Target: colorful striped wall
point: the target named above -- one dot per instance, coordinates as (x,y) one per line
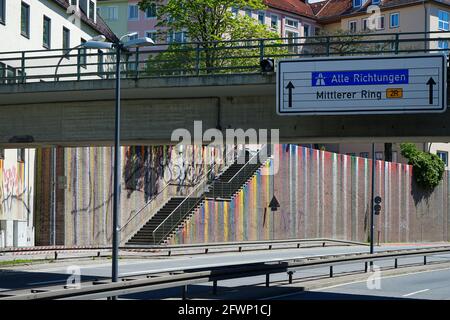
(321,194)
(324,194)
(85,185)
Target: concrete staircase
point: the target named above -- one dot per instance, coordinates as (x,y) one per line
(179,209)
(146,236)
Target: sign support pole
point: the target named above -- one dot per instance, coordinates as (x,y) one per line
(372,216)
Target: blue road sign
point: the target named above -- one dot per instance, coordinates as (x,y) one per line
(359,78)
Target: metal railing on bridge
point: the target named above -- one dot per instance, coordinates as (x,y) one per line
(195,59)
(184,276)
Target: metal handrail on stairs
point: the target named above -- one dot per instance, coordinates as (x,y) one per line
(234,183)
(182,213)
(137,213)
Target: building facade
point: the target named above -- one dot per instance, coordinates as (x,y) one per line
(290,19)
(39,25)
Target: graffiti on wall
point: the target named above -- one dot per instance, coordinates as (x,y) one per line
(84,205)
(13,192)
(149,168)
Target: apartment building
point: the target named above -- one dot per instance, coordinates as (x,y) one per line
(116,14)
(35,25)
(290,18)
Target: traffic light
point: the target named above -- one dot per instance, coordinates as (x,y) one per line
(377,206)
(267,65)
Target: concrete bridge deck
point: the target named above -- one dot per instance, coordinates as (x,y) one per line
(81,113)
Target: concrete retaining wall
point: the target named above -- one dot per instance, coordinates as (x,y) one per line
(324,194)
(321,194)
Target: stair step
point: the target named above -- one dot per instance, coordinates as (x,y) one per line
(145,234)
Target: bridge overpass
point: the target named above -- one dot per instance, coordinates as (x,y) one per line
(81,113)
(39,109)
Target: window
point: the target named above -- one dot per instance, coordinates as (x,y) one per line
(151,11)
(394,156)
(444,156)
(135,36)
(2,11)
(91,10)
(2,154)
(443,44)
(352,26)
(292,23)
(380,23)
(2,72)
(306,30)
(133,12)
(110,13)
(66,40)
(10,75)
(357,3)
(21,75)
(379,155)
(352,154)
(151,34)
(292,41)
(274,22)
(262,17)
(364,154)
(21,155)
(7,74)
(365,25)
(46,33)
(25,20)
(176,37)
(100,62)
(394,20)
(248,12)
(82,55)
(74,2)
(443,20)
(234,11)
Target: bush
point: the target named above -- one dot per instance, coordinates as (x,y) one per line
(428,168)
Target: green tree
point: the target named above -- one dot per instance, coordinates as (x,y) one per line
(212,28)
(428,168)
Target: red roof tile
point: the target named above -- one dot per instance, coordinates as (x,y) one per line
(336,8)
(295,6)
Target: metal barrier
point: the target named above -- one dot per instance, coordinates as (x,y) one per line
(194,59)
(182,247)
(185,276)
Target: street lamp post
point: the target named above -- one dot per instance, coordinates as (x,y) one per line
(119,46)
(372,213)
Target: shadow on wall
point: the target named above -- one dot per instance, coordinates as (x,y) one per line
(420,194)
(144,167)
(150,168)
